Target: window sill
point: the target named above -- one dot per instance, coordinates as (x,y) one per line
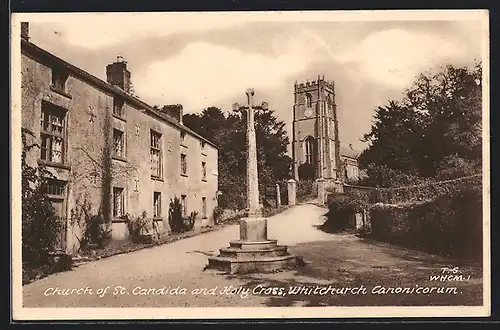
(157,219)
(203,153)
(122,159)
(156,178)
(184,175)
(55,197)
(52,164)
(118,220)
(183,145)
(119,117)
(205,218)
(60,92)
(204,180)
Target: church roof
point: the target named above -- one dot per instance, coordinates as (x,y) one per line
(349,152)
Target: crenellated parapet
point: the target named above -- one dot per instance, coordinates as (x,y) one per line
(312,85)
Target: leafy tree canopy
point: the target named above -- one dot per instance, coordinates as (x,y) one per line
(437,121)
(228,132)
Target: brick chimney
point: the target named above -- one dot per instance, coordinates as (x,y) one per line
(118,75)
(174,111)
(25,30)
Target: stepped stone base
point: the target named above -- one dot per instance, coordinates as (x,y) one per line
(253,252)
(250,257)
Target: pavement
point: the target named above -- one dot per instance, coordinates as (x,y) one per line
(173,275)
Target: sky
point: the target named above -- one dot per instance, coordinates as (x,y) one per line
(201,60)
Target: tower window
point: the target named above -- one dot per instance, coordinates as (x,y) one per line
(308,100)
(309,149)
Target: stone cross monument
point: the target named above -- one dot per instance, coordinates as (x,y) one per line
(253,252)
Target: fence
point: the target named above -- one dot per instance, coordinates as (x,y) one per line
(414,193)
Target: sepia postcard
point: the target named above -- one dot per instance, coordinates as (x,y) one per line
(257,165)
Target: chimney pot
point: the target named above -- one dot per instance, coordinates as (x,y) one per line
(174,111)
(119,59)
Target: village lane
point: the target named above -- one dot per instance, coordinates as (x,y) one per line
(178,264)
(339,260)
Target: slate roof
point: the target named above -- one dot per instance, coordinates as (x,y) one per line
(349,153)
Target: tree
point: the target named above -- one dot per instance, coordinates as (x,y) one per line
(228,132)
(396,138)
(451,101)
(439,117)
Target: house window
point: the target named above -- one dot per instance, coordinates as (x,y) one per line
(204,171)
(202,144)
(118,202)
(183,137)
(55,191)
(118,107)
(204,207)
(184,205)
(155,151)
(118,143)
(156,204)
(308,100)
(52,124)
(55,187)
(59,78)
(183,164)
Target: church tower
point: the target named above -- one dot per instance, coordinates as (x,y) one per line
(315,143)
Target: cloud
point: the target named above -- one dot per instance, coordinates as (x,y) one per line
(394,57)
(203,74)
(106,29)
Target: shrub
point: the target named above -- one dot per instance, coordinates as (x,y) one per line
(305,189)
(178,223)
(189,221)
(217,214)
(384,176)
(136,226)
(450,224)
(95,230)
(40,225)
(175,218)
(341,211)
(454,166)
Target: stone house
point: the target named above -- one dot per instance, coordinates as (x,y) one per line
(105,145)
(350,166)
